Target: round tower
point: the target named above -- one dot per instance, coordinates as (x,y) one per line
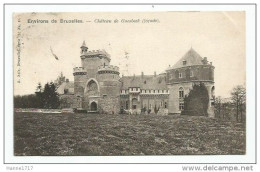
(108,78)
(80,77)
(190,69)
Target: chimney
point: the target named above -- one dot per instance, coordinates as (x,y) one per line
(142,74)
(67,80)
(211,63)
(154,73)
(205,60)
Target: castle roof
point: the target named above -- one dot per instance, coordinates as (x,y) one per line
(83,44)
(191,58)
(66,85)
(157,82)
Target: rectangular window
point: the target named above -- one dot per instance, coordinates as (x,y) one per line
(181,94)
(191,73)
(181,106)
(180,75)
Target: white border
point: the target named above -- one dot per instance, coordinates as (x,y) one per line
(250,75)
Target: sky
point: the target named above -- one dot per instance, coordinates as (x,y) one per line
(219,36)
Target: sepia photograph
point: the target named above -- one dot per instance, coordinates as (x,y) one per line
(129,83)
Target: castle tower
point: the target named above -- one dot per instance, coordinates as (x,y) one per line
(96,82)
(80,78)
(190,69)
(108,77)
(91,60)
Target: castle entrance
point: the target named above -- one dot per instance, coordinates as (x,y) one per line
(134,103)
(93,106)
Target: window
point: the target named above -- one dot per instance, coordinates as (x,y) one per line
(165,104)
(191,73)
(126,104)
(181,106)
(180,75)
(161,104)
(66,91)
(181,92)
(184,62)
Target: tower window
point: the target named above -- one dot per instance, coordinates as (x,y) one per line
(181,106)
(191,73)
(180,75)
(165,104)
(181,92)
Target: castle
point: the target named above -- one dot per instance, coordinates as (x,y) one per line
(97,86)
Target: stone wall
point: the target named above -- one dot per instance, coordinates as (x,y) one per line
(109,105)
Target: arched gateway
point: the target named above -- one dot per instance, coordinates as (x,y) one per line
(93,106)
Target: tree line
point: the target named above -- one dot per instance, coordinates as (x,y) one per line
(46,98)
(233,108)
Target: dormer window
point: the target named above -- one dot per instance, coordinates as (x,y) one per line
(180,75)
(184,62)
(66,91)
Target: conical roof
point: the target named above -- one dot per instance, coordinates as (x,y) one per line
(191,58)
(83,44)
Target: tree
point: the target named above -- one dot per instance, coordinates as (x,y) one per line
(50,97)
(196,103)
(238,97)
(218,107)
(60,79)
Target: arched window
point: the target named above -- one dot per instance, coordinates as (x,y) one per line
(181,92)
(213,92)
(126,104)
(92,88)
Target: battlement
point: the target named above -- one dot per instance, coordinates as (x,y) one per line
(108,68)
(93,53)
(79,71)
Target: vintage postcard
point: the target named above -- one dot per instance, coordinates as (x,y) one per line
(129,83)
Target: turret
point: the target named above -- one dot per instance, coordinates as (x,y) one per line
(80,78)
(83,48)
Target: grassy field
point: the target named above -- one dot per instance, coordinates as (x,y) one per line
(94,134)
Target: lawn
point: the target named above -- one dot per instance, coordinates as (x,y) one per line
(98,134)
